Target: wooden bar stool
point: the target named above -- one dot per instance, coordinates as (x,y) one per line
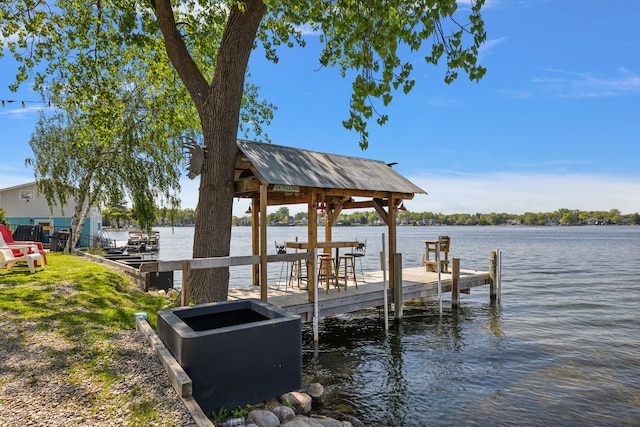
(296,273)
(327,272)
(347,264)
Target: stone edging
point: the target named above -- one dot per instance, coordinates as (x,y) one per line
(179,378)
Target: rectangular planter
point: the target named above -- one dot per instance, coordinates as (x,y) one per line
(235,352)
(153,280)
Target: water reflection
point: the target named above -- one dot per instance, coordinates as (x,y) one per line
(494,313)
(395,384)
(382,378)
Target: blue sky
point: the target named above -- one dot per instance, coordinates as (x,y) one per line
(555,123)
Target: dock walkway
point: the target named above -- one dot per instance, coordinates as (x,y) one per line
(416,283)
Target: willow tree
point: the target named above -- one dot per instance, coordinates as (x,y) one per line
(209,45)
(141,161)
(111,131)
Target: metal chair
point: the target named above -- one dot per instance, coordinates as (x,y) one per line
(358,252)
(291,270)
(281,249)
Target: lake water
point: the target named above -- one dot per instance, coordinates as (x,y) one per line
(561,349)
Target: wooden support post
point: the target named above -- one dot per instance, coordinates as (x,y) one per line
(397,289)
(263,242)
(493,276)
(255,240)
(391,225)
(455,282)
(328,229)
(312,239)
(186,283)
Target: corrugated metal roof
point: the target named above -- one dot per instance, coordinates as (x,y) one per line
(292,166)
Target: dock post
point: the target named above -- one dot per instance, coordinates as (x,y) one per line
(186,283)
(493,276)
(397,289)
(385,289)
(316,308)
(255,240)
(263,243)
(499,274)
(455,282)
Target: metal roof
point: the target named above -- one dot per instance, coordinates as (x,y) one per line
(282,165)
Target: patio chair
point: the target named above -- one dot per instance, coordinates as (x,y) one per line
(358,252)
(444,241)
(8,259)
(6,239)
(281,249)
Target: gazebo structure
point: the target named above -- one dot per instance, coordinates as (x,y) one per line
(273,175)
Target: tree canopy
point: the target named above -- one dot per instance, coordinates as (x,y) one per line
(81,53)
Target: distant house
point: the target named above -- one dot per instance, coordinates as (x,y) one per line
(24,206)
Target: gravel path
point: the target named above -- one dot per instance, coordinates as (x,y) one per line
(46,380)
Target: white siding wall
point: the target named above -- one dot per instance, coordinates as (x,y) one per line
(15,206)
(18,207)
(14,203)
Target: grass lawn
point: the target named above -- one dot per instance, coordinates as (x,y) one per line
(68,318)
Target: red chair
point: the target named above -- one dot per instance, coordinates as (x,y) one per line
(7,240)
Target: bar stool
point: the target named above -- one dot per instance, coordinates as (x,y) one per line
(320,256)
(327,271)
(348,265)
(296,273)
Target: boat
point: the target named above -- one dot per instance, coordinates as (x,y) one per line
(106,243)
(140,241)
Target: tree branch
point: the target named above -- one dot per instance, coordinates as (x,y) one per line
(177,51)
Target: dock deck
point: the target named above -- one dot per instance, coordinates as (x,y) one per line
(416,283)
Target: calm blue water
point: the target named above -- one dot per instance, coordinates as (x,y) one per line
(561,349)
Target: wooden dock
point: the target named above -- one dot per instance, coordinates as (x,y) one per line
(416,283)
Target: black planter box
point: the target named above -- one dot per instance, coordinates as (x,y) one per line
(236,352)
(153,280)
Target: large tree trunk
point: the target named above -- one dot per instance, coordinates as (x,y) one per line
(219,110)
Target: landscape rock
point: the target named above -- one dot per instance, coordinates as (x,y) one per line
(301,401)
(301,421)
(328,422)
(316,391)
(283,413)
(263,418)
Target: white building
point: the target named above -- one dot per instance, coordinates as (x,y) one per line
(24,206)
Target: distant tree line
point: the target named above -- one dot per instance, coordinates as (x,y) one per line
(119,216)
(559,217)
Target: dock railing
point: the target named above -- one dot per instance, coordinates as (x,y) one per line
(214,262)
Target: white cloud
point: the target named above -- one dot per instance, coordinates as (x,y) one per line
(15,111)
(16,174)
(488,46)
(519,193)
(589,85)
(468,3)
